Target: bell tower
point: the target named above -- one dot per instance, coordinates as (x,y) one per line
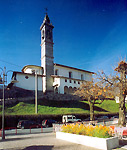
(47,59)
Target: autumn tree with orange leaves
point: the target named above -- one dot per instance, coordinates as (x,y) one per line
(118,84)
(92,91)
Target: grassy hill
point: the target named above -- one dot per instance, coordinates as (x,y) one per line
(60,107)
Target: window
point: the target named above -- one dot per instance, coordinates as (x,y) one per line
(74,117)
(33,71)
(26,77)
(43,34)
(70,90)
(78,82)
(56,90)
(14,76)
(56,72)
(66,90)
(70,74)
(70,81)
(74,89)
(69,117)
(82,77)
(65,80)
(74,82)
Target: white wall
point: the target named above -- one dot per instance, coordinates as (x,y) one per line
(57,82)
(28,84)
(76,74)
(68,84)
(61,84)
(29,70)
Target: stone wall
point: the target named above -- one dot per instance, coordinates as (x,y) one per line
(61,97)
(48,96)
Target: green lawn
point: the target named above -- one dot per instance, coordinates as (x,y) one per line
(110,106)
(61,107)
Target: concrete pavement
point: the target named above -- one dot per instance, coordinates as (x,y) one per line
(41,141)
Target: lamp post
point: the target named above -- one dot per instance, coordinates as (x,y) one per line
(3,102)
(36,89)
(2,81)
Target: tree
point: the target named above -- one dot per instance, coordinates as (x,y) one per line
(118,84)
(94,92)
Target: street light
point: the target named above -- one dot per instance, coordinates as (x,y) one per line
(2,81)
(36,89)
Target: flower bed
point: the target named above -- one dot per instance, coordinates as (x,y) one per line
(89,130)
(86,136)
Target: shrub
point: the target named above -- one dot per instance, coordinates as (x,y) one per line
(89,130)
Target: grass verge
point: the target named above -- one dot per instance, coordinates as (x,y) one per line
(60,107)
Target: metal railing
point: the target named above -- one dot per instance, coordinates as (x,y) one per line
(16,130)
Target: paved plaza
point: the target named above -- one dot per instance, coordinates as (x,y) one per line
(43,141)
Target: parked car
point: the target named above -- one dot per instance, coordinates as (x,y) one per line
(24,124)
(88,119)
(103,118)
(114,117)
(70,119)
(48,122)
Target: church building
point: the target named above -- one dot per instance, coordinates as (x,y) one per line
(50,76)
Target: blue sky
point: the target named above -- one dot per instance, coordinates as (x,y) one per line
(88,34)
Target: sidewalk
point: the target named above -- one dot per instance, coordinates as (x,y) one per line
(44,141)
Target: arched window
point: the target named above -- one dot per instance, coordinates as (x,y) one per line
(66,90)
(74,89)
(70,90)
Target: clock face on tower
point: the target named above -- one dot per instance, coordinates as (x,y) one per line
(49,34)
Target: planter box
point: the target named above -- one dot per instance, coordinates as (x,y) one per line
(99,143)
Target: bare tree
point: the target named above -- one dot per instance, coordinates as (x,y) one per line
(118,85)
(94,92)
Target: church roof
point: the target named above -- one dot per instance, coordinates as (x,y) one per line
(17,72)
(73,68)
(31,66)
(46,21)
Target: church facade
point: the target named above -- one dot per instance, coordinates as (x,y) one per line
(50,76)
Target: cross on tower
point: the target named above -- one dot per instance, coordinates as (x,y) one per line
(46,9)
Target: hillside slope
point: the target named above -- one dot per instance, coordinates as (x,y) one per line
(60,107)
